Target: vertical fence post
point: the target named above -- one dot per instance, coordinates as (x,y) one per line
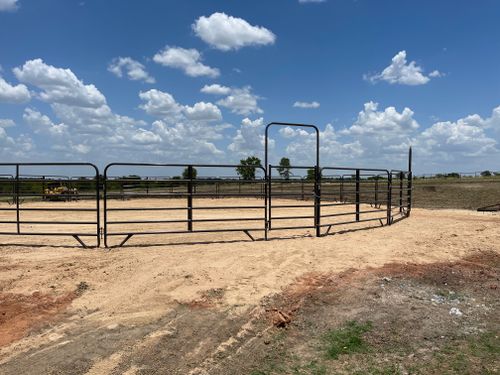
(266,219)
(190,199)
(357,193)
(376,191)
(105,205)
(17,200)
(409,190)
(389,198)
(98,197)
(342,188)
(317,200)
(43,188)
(401,179)
(270,195)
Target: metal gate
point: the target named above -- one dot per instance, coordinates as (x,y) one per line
(184,201)
(23,197)
(292,211)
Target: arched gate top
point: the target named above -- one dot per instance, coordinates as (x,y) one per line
(266,151)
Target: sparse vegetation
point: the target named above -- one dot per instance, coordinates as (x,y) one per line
(347,339)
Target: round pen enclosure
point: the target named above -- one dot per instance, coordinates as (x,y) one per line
(135,200)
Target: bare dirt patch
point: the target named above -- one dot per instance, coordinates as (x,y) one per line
(20,313)
(419,319)
(206,303)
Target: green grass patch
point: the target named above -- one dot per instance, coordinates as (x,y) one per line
(347,339)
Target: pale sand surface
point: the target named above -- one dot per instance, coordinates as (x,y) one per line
(137,284)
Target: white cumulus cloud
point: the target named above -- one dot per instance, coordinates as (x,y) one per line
(188,60)
(163,105)
(203,111)
(13,94)
(465,137)
(225,32)
(59,85)
(306,105)
(42,124)
(249,138)
(159,103)
(7,123)
(302,145)
(403,73)
(215,89)
(134,69)
(371,121)
(241,101)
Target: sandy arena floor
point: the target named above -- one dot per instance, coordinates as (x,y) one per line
(60,293)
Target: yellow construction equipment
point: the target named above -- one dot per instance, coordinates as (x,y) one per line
(60,192)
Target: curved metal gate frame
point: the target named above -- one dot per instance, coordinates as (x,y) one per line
(317,176)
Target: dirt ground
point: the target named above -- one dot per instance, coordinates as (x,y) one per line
(214,303)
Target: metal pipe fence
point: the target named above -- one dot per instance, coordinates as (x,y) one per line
(186,202)
(23,192)
(363,191)
(332,196)
(196,215)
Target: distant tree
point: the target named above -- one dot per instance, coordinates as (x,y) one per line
(246,169)
(185,173)
(133,177)
(284,168)
(454,175)
(311,174)
(485,174)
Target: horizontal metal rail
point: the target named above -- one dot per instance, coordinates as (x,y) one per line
(189,188)
(368,191)
(26,186)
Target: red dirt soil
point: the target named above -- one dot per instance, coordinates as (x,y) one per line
(21,313)
(479,269)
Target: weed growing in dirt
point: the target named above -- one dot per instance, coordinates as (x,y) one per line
(347,339)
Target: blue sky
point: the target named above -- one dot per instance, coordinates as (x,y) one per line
(105,81)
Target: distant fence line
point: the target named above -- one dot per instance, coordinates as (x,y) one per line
(458,174)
